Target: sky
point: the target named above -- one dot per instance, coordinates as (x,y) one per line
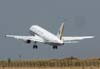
(81,17)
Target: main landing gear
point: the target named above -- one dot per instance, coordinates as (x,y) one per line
(55,47)
(35,46)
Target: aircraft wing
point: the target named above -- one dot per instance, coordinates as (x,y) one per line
(25,38)
(75,39)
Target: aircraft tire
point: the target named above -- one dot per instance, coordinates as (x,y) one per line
(55,47)
(35,46)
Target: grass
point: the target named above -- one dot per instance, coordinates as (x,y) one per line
(66,63)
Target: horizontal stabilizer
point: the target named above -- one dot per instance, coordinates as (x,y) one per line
(76,38)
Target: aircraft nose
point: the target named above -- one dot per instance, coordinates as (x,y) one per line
(31,28)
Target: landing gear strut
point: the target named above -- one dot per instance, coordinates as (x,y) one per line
(35,46)
(55,47)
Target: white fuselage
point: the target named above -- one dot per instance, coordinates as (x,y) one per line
(39,34)
(47,36)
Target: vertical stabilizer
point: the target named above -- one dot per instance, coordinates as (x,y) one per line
(61,31)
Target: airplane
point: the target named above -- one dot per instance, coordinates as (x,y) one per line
(41,35)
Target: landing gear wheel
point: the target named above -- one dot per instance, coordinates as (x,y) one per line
(55,47)
(35,46)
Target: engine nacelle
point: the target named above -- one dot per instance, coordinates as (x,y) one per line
(28,41)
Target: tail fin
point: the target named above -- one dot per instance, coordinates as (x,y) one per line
(61,31)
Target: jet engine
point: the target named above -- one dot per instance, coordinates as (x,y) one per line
(28,41)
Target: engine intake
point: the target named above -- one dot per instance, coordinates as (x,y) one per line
(28,41)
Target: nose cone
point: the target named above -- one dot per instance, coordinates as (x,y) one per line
(33,27)
(30,28)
